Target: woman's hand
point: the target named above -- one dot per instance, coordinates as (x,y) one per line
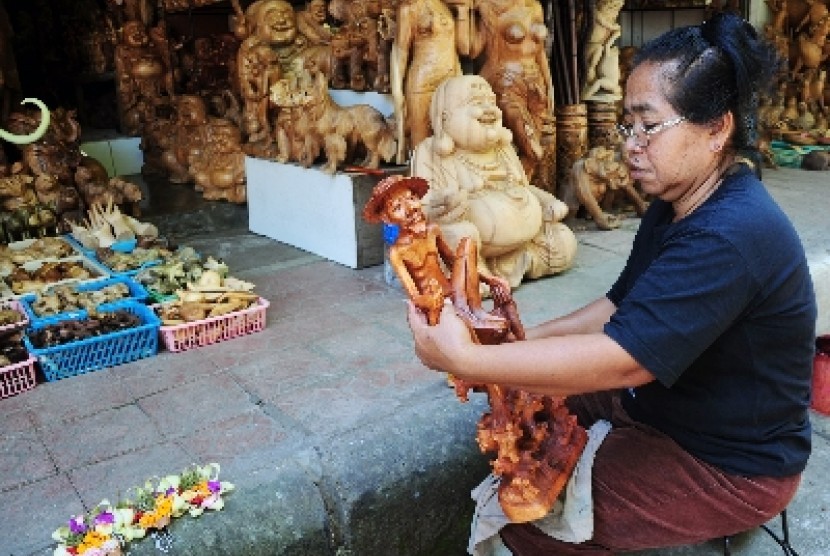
(441,347)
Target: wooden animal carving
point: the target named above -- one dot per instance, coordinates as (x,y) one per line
(342,131)
(594,182)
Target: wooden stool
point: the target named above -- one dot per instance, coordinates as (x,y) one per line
(783,541)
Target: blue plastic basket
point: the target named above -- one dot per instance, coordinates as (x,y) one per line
(70,239)
(137,293)
(99,352)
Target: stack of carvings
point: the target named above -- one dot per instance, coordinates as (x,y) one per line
(179,96)
(798,110)
(53,181)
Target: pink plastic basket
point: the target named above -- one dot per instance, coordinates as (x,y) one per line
(17,378)
(181,337)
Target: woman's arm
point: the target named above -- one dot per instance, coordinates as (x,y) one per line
(557,366)
(588,320)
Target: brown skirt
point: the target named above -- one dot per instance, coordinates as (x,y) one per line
(650,493)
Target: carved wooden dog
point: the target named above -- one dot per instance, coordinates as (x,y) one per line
(342,131)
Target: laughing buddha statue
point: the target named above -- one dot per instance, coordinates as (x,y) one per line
(478,187)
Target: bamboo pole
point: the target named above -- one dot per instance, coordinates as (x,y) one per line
(574,59)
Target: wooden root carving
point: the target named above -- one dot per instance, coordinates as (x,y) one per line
(37,133)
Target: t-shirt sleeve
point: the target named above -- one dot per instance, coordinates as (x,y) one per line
(686,298)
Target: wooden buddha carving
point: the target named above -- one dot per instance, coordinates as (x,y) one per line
(478,187)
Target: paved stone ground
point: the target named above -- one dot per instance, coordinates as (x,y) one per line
(339,442)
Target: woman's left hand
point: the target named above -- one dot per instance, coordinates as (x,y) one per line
(439,347)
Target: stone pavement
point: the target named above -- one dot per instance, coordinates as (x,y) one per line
(338,440)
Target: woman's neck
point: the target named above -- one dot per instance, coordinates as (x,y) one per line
(697,194)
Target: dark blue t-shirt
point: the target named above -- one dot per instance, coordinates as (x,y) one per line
(720,308)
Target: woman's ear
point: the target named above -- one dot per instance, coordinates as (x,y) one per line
(721,130)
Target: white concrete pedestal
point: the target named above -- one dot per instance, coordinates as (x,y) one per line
(314,211)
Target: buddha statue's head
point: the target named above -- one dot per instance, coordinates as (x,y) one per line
(465,116)
(274,21)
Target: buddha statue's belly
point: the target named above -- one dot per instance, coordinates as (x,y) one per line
(506,220)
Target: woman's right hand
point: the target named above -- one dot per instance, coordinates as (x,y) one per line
(439,347)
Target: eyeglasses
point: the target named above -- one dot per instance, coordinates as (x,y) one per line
(642,136)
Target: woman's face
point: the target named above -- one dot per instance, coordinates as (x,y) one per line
(675,158)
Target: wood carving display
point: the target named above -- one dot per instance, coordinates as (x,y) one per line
(271,47)
(54,176)
(478,188)
(536,441)
(341,132)
(797,111)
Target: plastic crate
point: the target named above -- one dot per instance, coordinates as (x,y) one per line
(18,377)
(14,305)
(157,297)
(137,293)
(133,271)
(99,352)
(96,272)
(182,337)
(79,246)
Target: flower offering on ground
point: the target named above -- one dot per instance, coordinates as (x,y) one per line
(107,528)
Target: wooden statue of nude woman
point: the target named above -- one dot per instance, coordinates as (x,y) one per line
(510,36)
(425,52)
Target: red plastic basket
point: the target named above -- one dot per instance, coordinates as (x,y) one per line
(17,378)
(181,337)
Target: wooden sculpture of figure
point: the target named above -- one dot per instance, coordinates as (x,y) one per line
(387,26)
(358,39)
(417,256)
(185,135)
(809,46)
(311,22)
(424,53)
(536,440)
(594,184)
(777,25)
(510,38)
(271,35)
(602,55)
(478,188)
(813,12)
(814,87)
(218,167)
(139,76)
